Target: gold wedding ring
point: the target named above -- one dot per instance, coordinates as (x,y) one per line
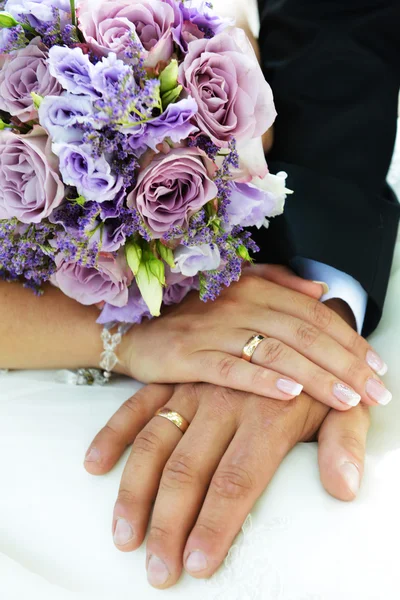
(174,417)
(252,346)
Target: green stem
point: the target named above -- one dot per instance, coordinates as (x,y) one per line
(73,12)
(29,28)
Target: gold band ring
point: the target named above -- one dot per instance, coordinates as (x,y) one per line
(252,346)
(174,417)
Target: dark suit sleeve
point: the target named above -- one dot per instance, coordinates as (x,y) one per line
(334,67)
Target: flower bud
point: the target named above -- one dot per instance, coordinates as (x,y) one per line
(7,21)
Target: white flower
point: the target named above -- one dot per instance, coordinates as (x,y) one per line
(275,185)
(190,261)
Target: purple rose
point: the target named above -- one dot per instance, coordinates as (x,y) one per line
(192,260)
(23,72)
(59,115)
(249,205)
(73,70)
(133,312)
(223,76)
(178,287)
(112,25)
(37,11)
(92,176)
(30,184)
(107,282)
(174,123)
(172,189)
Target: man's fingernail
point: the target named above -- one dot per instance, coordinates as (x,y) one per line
(378,392)
(351,475)
(196,562)
(376,363)
(123,533)
(346,394)
(92,455)
(157,572)
(287,386)
(324,285)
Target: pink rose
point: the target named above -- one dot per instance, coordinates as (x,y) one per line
(30,186)
(23,72)
(109,26)
(172,189)
(107,282)
(223,76)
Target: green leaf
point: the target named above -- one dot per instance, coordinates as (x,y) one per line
(150,279)
(171,96)
(37,100)
(133,256)
(169,77)
(166,254)
(7,21)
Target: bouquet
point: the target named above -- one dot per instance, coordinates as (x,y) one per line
(124,144)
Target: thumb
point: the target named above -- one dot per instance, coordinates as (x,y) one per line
(342,441)
(286,278)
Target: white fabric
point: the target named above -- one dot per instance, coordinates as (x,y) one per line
(300,544)
(341,285)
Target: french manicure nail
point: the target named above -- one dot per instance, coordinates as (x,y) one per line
(346,394)
(352,476)
(92,455)
(157,572)
(376,363)
(123,532)
(378,392)
(325,286)
(287,386)
(196,562)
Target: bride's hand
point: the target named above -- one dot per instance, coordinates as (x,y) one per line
(306,345)
(205,482)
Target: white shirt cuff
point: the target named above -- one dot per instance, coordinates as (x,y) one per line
(341,285)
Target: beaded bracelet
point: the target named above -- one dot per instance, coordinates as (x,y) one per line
(108,359)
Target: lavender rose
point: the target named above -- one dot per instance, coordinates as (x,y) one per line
(108,282)
(24,72)
(30,184)
(192,260)
(113,25)
(172,188)
(133,312)
(223,76)
(92,176)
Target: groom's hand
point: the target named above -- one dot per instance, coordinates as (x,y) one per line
(205,482)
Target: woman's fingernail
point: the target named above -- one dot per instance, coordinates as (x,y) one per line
(378,392)
(157,572)
(123,533)
(92,455)
(376,363)
(351,475)
(287,386)
(196,562)
(346,394)
(324,285)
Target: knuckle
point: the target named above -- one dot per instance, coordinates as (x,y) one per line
(158,533)
(226,367)
(352,442)
(357,345)
(232,483)
(307,335)
(272,351)
(178,472)
(126,496)
(209,528)
(321,315)
(357,371)
(147,442)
